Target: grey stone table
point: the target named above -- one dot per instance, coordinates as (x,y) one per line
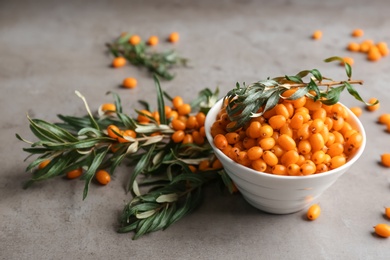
(49,49)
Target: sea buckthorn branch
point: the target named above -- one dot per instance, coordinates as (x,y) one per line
(142,55)
(248,101)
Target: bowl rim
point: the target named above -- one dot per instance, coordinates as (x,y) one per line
(352,117)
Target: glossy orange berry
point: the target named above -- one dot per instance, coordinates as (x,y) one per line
(255,153)
(296,121)
(217,164)
(201,118)
(198,138)
(232,138)
(384,119)
(374,54)
(319,114)
(318,157)
(103,177)
(348,60)
(317,142)
(108,107)
(316,126)
(383,49)
(317,35)
(289,157)
(312,105)
(253,131)
(303,132)
(313,212)
(293,169)
(43,164)
(308,168)
(248,142)
(322,167)
(281,109)
(304,147)
(184,109)
(134,39)
(192,123)
(353,46)
(337,161)
(129,82)
(270,158)
(177,102)
(243,158)
(357,111)
(113,131)
(118,62)
(188,139)
(287,142)
(178,124)
(178,136)
(127,133)
(266,131)
(387,212)
(382,230)
(174,37)
(335,149)
(267,143)
(143,117)
(385,159)
(204,165)
(74,174)
(365,46)
(279,169)
(277,121)
(153,40)
(357,32)
(259,165)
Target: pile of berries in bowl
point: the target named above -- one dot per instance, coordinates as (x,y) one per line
(284,158)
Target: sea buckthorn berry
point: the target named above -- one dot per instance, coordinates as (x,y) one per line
(202,131)
(270,158)
(134,39)
(43,164)
(301,160)
(357,111)
(269,113)
(216,129)
(259,165)
(299,102)
(143,116)
(279,169)
(255,152)
(304,147)
(322,167)
(172,115)
(286,130)
(319,114)
(331,139)
(290,108)
(232,138)
(293,169)
(307,168)
(267,143)
(357,32)
(317,35)
(303,132)
(177,102)
(240,146)
(113,131)
(385,159)
(201,118)
(266,131)
(174,37)
(316,126)
(348,60)
(317,142)
(178,136)
(118,62)
(354,142)
(108,107)
(313,105)
(384,119)
(286,142)
(178,124)
(192,168)
(337,161)
(387,212)
(243,158)
(339,138)
(373,107)
(328,122)
(296,121)
(188,139)
(248,142)
(103,177)
(277,150)
(280,109)
(204,165)
(383,49)
(277,121)
(353,46)
(335,149)
(373,54)
(233,153)
(318,157)
(217,164)
(127,133)
(338,123)
(289,157)
(198,138)
(382,230)
(313,212)
(153,40)
(184,109)
(74,174)
(192,123)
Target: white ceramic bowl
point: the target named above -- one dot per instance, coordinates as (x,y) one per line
(280,194)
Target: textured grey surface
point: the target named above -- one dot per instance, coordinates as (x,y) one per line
(50,49)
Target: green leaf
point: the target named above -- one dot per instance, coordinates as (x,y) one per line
(141,165)
(160,101)
(295,79)
(356,95)
(316,74)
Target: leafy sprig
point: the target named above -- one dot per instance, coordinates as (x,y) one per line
(141,55)
(244,102)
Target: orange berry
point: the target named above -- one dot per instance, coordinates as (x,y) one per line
(383,49)
(384,119)
(353,46)
(118,62)
(220,141)
(177,102)
(113,131)
(387,212)
(142,118)
(357,111)
(178,136)
(153,40)
(204,165)
(259,165)
(74,174)
(373,107)
(129,83)
(174,37)
(184,109)
(43,164)
(313,212)
(348,60)
(188,139)
(382,230)
(365,46)
(178,124)
(374,54)
(128,133)
(385,159)
(134,39)
(317,35)
(108,107)
(270,158)
(103,177)
(357,33)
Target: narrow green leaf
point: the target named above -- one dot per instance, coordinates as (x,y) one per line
(356,95)
(316,74)
(141,165)
(160,100)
